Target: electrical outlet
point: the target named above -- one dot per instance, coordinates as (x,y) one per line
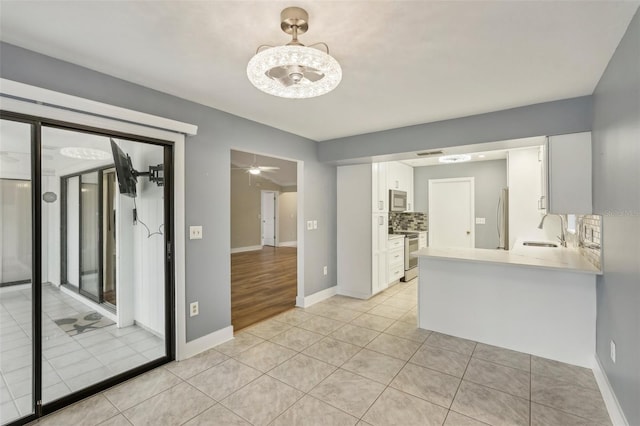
(613,351)
(309,225)
(315,224)
(193,309)
(195,232)
(324,270)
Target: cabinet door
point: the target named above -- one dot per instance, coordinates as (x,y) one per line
(409,178)
(379,191)
(570,174)
(543,159)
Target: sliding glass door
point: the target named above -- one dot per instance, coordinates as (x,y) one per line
(87,291)
(16,272)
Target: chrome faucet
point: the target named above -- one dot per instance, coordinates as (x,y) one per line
(563,241)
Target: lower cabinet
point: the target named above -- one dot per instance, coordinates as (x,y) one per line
(395,259)
(422,239)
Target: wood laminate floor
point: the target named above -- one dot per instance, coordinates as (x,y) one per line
(263,284)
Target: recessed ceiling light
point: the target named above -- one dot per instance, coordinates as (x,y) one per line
(457,158)
(82,153)
(481,156)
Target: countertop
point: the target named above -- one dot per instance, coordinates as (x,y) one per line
(394,236)
(542,257)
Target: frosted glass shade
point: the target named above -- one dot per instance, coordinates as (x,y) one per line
(303,57)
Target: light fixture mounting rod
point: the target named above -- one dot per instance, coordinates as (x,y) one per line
(294,20)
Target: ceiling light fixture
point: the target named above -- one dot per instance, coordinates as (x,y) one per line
(457,158)
(294,71)
(254,170)
(85,153)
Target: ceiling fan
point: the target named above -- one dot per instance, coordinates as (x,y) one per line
(255,169)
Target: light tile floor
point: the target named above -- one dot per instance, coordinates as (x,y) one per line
(345,362)
(70,363)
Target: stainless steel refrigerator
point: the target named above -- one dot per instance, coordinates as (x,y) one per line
(502,213)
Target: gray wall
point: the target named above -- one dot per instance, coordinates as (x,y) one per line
(490,177)
(616,194)
(207,176)
(550,118)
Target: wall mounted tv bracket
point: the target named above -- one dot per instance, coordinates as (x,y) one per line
(155,174)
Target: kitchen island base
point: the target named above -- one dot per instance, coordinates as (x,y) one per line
(548,313)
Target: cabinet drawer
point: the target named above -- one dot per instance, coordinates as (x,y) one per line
(395,256)
(396,273)
(395,243)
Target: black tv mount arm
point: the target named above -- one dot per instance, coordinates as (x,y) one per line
(155,174)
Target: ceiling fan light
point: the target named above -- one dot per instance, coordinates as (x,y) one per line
(296,56)
(457,158)
(294,71)
(254,171)
(83,153)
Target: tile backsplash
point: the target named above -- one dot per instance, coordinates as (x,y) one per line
(408,221)
(590,234)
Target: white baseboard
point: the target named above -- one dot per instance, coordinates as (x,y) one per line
(288,244)
(305,302)
(354,294)
(613,406)
(248,248)
(207,342)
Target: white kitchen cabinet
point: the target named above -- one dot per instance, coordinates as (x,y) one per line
(379,191)
(395,258)
(400,177)
(422,239)
(543,199)
(362,230)
(569,174)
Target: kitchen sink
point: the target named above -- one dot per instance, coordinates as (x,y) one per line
(539,244)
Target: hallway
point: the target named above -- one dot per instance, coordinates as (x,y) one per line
(263,284)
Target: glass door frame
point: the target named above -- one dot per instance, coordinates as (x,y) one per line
(63,236)
(37,123)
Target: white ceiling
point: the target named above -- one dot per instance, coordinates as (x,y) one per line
(404,62)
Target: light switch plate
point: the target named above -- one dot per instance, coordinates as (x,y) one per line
(481,220)
(309,225)
(195,232)
(315,224)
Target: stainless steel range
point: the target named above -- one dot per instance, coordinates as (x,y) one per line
(411,247)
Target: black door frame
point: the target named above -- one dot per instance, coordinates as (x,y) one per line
(37,123)
(63,235)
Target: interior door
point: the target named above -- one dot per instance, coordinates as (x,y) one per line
(268,218)
(451,212)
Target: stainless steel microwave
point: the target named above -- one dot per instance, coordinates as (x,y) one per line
(397,201)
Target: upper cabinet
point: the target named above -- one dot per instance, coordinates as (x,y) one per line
(379,192)
(569,174)
(400,177)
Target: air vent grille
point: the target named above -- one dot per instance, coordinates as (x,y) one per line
(427,153)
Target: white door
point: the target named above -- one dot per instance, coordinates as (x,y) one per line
(451,212)
(268,215)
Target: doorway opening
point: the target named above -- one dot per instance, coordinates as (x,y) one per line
(269,217)
(264,220)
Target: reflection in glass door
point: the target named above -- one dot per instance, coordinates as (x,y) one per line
(90,271)
(106,314)
(85,272)
(16,272)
